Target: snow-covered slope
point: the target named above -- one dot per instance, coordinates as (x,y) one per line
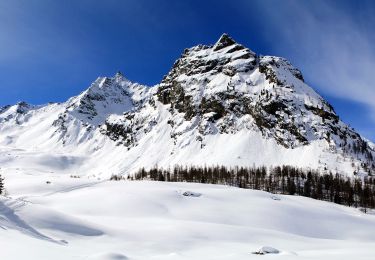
(219,104)
(90,219)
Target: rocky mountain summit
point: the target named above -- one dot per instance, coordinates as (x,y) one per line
(219,104)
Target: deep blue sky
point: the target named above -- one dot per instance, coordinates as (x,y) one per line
(52,50)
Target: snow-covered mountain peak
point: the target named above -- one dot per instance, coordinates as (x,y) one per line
(226,88)
(119,76)
(219,104)
(23,106)
(224,41)
(105,96)
(14,112)
(200,64)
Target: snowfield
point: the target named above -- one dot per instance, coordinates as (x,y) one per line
(89,218)
(220,104)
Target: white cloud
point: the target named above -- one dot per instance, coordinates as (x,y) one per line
(332,44)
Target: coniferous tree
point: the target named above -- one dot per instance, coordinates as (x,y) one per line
(1,185)
(291,186)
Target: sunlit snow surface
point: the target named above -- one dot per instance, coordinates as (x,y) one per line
(91,218)
(57,158)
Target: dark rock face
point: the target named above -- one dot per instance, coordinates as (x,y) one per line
(124,134)
(4,108)
(224,41)
(22,107)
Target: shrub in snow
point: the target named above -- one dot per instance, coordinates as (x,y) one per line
(115,177)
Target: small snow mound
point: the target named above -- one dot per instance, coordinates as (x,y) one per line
(266,250)
(191,194)
(109,256)
(275,197)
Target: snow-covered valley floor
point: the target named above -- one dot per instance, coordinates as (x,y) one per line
(83,218)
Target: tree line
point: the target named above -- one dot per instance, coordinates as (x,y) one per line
(289,180)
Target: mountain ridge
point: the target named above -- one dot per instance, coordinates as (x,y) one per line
(213,94)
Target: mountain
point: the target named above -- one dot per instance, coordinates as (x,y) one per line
(219,105)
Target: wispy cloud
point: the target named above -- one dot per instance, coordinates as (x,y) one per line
(331,41)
